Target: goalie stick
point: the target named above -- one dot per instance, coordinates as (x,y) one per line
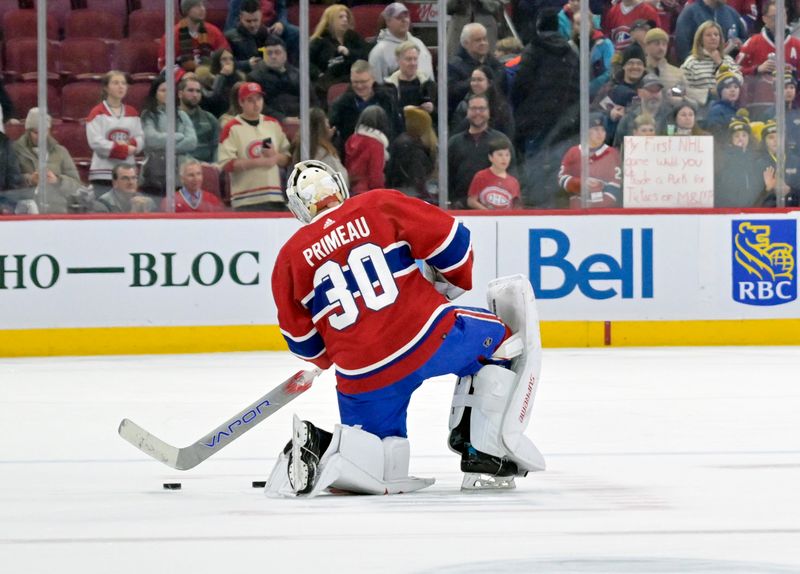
(192,455)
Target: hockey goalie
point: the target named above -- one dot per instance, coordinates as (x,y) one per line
(350,294)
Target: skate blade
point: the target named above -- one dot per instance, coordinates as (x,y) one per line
(476,481)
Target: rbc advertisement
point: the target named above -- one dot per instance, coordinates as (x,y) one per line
(764,261)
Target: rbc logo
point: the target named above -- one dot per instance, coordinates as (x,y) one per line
(596,267)
(764,255)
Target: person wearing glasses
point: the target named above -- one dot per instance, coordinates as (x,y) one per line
(469,150)
(124,196)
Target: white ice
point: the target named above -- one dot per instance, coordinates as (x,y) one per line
(659,460)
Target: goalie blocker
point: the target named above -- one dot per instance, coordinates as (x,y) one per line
(489,415)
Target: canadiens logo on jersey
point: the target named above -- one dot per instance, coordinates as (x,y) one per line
(254,149)
(621,36)
(764,261)
(496,197)
(119,135)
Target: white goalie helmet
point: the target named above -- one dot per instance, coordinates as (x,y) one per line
(313,186)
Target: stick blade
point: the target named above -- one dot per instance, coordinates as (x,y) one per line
(149,444)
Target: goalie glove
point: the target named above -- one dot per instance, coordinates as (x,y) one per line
(442,285)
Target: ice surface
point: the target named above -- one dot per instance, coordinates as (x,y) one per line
(659,460)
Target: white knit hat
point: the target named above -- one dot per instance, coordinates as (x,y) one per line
(32,121)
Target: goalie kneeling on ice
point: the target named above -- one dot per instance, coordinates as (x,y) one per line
(356,461)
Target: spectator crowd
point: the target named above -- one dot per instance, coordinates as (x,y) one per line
(657,68)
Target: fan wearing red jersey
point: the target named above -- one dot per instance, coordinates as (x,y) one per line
(605,174)
(350,294)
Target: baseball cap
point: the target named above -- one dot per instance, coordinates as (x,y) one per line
(394,9)
(643,24)
(249,89)
(651,80)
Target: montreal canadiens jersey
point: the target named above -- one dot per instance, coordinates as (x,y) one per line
(349,291)
(619,19)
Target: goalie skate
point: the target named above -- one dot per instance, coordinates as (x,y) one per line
(480,481)
(307,445)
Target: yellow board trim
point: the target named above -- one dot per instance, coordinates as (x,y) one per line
(139,340)
(233,338)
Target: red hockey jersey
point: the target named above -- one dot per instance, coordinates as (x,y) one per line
(349,292)
(604,170)
(619,19)
(758,48)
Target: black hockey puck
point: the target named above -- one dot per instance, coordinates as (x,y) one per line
(259,483)
(172,486)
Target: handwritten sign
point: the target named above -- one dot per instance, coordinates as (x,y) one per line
(668,171)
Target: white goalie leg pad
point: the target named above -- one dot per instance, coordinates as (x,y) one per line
(359,462)
(512,299)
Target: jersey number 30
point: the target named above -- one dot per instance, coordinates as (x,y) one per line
(376,295)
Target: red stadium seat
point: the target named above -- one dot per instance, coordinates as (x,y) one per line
(146,24)
(78,98)
(314,15)
(72,135)
(291,129)
(25,95)
(118,7)
(211,175)
(217,17)
(23,24)
(137,94)
(14,130)
(58,9)
(84,57)
(158,6)
(336,90)
(367,19)
(138,57)
(21,58)
(93,24)
(8,6)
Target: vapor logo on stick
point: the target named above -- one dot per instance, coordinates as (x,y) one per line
(764,261)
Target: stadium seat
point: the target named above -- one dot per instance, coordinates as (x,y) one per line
(86,23)
(80,58)
(78,98)
(25,95)
(291,129)
(158,6)
(138,57)
(137,94)
(314,14)
(8,6)
(23,24)
(117,7)
(367,19)
(146,24)
(217,17)
(72,135)
(14,130)
(211,175)
(21,59)
(58,9)
(336,90)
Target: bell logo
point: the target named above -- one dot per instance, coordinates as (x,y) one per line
(595,268)
(764,257)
